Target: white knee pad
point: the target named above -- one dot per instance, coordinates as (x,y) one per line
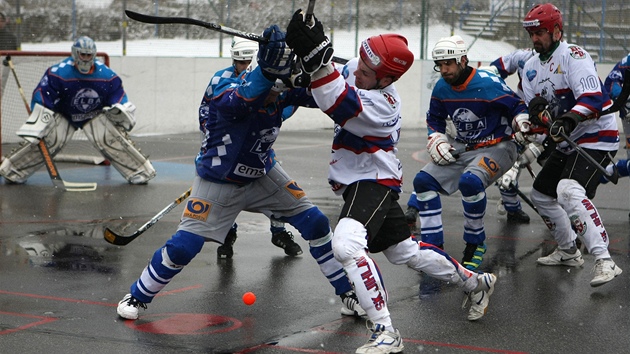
(350,237)
(119,149)
(26,159)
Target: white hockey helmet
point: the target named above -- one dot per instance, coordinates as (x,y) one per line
(243,49)
(452,47)
(84,53)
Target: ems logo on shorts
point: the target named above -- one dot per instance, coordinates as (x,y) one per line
(294,189)
(489,165)
(197,209)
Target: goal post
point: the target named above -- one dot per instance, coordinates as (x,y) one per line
(30,67)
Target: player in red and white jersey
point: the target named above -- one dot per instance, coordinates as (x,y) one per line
(562,79)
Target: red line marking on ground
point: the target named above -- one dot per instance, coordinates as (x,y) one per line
(42,320)
(184,323)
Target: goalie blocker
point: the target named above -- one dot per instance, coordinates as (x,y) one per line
(101,131)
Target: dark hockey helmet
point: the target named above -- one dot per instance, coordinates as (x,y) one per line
(387,55)
(541,16)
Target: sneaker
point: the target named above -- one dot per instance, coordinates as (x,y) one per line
(605,270)
(473,255)
(479,298)
(351,305)
(225,251)
(560,257)
(519,217)
(411,215)
(382,341)
(284,240)
(128,307)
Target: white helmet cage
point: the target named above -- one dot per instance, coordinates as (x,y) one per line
(243,49)
(449,48)
(83,54)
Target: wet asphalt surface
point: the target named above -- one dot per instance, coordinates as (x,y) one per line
(60,281)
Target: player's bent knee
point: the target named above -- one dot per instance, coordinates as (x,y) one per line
(312,224)
(567,188)
(424,182)
(470,184)
(350,239)
(181,249)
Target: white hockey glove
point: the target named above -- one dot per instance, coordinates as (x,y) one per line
(521,125)
(38,125)
(122,115)
(440,149)
(531,153)
(509,177)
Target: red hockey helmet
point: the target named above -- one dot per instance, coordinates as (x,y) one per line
(543,16)
(387,55)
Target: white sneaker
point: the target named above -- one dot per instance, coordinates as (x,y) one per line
(382,341)
(605,271)
(479,299)
(351,305)
(560,257)
(128,307)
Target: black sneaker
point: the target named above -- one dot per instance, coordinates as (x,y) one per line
(411,215)
(519,217)
(284,240)
(225,250)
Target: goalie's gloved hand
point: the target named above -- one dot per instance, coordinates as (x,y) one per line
(536,106)
(564,124)
(274,57)
(309,43)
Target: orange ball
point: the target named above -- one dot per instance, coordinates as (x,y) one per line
(249,298)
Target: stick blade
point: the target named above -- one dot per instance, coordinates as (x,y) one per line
(115,239)
(79,186)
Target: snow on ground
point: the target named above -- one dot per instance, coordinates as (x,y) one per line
(344,44)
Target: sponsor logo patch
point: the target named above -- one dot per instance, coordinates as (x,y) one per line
(295,190)
(197,209)
(489,165)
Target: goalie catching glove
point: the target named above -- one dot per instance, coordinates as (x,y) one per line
(309,42)
(440,149)
(122,115)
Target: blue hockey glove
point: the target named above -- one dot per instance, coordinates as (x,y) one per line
(274,57)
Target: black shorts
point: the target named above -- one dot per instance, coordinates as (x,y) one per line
(559,166)
(376,207)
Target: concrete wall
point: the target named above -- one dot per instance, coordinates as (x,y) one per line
(167,92)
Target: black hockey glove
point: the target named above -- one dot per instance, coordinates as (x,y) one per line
(298,77)
(274,57)
(537,105)
(564,124)
(310,44)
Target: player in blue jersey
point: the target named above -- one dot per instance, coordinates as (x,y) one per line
(235,172)
(485,113)
(79,93)
(242,52)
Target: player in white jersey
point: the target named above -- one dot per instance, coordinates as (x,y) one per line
(561,79)
(364,169)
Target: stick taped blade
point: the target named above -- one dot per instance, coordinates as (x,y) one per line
(79,187)
(117,240)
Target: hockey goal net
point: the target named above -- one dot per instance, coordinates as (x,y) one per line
(30,66)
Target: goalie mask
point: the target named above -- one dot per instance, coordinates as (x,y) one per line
(83,54)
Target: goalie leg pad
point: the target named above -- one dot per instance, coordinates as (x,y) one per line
(26,159)
(116,146)
(38,125)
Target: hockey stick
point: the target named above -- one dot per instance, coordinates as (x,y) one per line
(623,95)
(159,20)
(57,181)
(545,118)
(121,240)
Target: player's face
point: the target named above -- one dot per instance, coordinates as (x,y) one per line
(541,40)
(449,69)
(364,77)
(240,65)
